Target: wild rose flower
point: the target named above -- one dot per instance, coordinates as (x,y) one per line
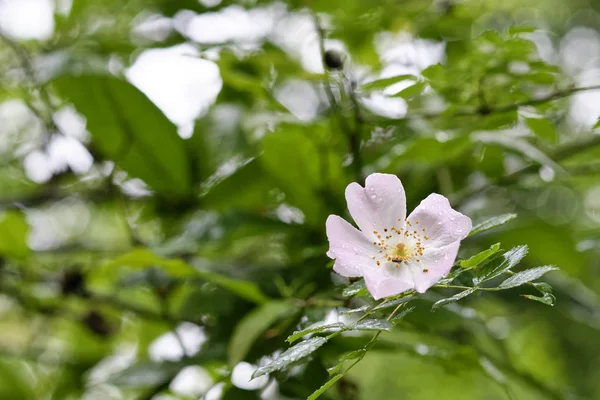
(394,253)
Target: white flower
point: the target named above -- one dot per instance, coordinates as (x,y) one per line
(394,253)
(241,376)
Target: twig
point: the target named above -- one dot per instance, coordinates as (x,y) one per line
(486,110)
(353,138)
(560,154)
(27,66)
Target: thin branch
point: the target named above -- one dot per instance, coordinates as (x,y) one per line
(27,66)
(353,138)
(562,153)
(486,110)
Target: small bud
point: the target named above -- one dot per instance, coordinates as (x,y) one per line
(73,282)
(333,60)
(97,323)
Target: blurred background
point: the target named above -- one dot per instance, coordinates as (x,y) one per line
(167,167)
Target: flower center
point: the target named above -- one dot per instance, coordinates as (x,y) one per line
(400,245)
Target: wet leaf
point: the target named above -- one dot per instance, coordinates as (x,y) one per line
(526,276)
(491,223)
(480,257)
(249,329)
(454,298)
(317,329)
(291,355)
(511,258)
(358,288)
(372,325)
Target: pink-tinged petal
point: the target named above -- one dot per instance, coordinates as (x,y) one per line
(433,266)
(389,279)
(437,223)
(380,205)
(351,249)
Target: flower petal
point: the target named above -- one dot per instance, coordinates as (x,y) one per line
(435,219)
(380,205)
(351,249)
(388,280)
(434,265)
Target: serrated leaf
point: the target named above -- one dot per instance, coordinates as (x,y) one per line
(480,257)
(526,276)
(317,329)
(543,287)
(252,326)
(372,325)
(454,298)
(395,302)
(492,223)
(358,288)
(511,258)
(385,82)
(542,128)
(353,355)
(335,369)
(401,316)
(291,355)
(547,298)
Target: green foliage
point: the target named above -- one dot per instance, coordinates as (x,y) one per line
(128,128)
(491,223)
(252,326)
(13,234)
(291,355)
(228,247)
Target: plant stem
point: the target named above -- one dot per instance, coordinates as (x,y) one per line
(352,135)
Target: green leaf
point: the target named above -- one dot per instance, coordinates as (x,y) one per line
(372,325)
(13,235)
(142,258)
(454,298)
(385,82)
(146,374)
(514,30)
(597,124)
(364,325)
(511,258)
(546,298)
(542,128)
(357,288)
(401,316)
(249,329)
(291,355)
(526,276)
(492,223)
(353,355)
(326,386)
(292,159)
(129,129)
(317,329)
(244,289)
(412,91)
(480,257)
(393,303)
